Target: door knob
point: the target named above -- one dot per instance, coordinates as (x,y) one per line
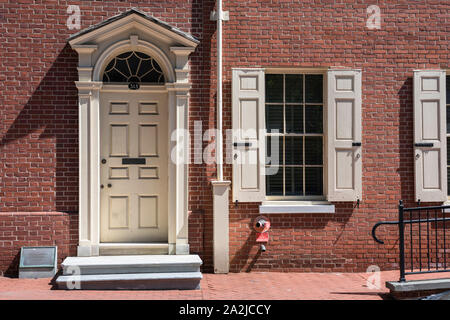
(109,185)
(102,186)
(103,161)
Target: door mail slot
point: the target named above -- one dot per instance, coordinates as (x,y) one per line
(242,144)
(133,160)
(424,144)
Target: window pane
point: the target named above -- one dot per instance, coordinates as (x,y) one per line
(274,118)
(314,88)
(133,63)
(271,148)
(294,119)
(313,150)
(313,181)
(153,76)
(294,150)
(448,151)
(448,180)
(122,67)
(448,89)
(274,88)
(145,66)
(287,113)
(313,119)
(114,76)
(294,181)
(274,183)
(448,118)
(294,88)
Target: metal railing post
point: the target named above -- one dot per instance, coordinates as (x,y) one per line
(401,242)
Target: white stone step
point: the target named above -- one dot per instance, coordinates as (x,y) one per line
(117,249)
(132,281)
(131,264)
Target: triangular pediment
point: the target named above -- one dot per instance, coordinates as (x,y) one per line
(132,18)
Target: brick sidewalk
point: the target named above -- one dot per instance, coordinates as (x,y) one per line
(233,286)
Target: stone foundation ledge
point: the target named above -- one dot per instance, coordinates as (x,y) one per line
(417,288)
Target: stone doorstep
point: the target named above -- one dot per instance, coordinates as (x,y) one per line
(137,276)
(133,259)
(139,281)
(147,263)
(133,272)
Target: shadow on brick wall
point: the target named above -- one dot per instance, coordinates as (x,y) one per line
(41,145)
(202,97)
(406,130)
(40,166)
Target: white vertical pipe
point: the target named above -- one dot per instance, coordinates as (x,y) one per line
(220,188)
(219,138)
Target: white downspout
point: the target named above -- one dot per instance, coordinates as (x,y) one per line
(219,137)
(221,221)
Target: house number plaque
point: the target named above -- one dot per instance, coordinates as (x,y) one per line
(133,86)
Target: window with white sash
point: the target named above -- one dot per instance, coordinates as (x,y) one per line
(314,117)
(294,116)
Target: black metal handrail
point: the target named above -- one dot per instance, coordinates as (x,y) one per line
(401,222)
(396,222)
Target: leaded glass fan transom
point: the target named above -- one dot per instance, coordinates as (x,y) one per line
(133,66)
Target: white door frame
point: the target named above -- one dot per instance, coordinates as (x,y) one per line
(174,62)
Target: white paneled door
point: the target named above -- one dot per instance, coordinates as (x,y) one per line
(133,167)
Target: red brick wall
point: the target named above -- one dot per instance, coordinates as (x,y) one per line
(38,131)
(39,110)
(18,229)
(39,115)
(322,33)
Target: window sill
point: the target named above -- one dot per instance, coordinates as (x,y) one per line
(274,207)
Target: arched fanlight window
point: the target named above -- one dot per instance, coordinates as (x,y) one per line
(133,66)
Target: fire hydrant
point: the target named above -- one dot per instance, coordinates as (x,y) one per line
(262,226)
